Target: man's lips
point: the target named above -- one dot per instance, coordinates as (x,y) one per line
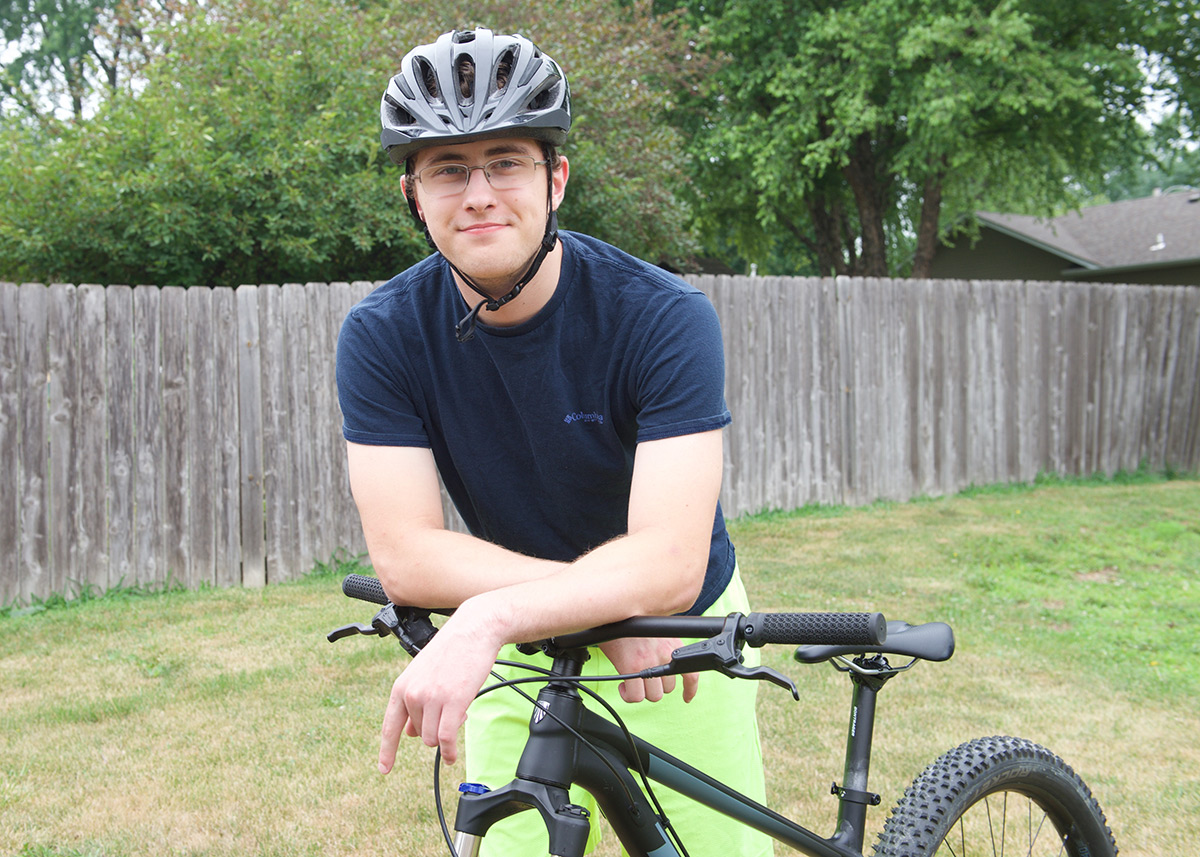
(482,228)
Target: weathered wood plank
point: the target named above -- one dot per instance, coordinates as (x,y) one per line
(297,429)
(1008,442)
(89,520)
(1185,409)
(201,432)
(1180,379)
(320,355)
(278,509)
(176,442)
(1093,377)
(122,438)
(1133,403)
(62,395)
(226,492)
(34,550)
(250,423)
(898,464)
(11,450)
(1110,333)
(347,534)
(149,556)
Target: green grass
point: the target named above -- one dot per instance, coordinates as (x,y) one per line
(221,722)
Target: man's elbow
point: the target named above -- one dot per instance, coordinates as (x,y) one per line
(398,566)
(692,564)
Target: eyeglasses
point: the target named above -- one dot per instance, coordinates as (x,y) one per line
(511,171)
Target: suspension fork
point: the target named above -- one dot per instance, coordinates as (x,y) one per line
(543,773)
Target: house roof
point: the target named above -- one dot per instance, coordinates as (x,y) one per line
(1138,233)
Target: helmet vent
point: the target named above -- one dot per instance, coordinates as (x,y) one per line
(400,115)
(428,78)
(544,99)
(504,68)
(464,75)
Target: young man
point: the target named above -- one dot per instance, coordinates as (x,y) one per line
(571,399)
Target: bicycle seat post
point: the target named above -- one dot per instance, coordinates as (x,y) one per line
(853,794)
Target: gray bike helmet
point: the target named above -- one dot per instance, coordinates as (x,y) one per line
(472,85)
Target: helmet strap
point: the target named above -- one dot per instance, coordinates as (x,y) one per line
(464,330)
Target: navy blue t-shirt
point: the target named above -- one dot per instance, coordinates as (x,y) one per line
(534,427)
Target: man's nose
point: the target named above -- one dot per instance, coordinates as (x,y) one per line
(477,185)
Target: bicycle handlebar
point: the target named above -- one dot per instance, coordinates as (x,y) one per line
(757,629)
(364,588)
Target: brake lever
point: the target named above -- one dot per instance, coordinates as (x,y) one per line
(721,653)
(408,624)
(762,674)
(350,630)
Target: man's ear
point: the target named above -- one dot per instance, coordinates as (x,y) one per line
(558,184)
(409,186)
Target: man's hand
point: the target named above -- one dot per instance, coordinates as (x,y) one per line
(430,698)
(633,654)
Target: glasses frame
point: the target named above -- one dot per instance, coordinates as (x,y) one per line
(487,168)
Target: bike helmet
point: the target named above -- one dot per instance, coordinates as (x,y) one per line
(474,85)
(470,85)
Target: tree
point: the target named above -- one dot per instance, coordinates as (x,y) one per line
(862,132)
(1169,158)
(624,64)
(65,53)
(251,153)
(247,157)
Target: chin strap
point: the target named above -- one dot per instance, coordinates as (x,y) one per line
(464,330)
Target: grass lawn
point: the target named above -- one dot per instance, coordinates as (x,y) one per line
(222,722)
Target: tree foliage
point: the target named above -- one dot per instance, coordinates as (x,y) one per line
(251,153)
(63,54)
(861,132)
(236,140)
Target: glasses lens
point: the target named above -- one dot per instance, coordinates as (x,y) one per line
(505,173)
(444,179)
(502,173)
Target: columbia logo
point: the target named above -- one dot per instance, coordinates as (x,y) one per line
(583,418)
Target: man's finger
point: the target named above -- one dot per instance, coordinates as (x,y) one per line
(691,683)
(633,690)
(395,721)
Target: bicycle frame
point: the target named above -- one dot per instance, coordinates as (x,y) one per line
(569,744)
(554,758)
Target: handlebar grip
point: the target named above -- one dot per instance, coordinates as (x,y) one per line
(829,629)
(364,588)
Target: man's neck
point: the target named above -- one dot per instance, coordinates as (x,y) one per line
(535,295)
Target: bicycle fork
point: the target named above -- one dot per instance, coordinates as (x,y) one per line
(543,776)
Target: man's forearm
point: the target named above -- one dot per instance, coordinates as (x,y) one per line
(433,567)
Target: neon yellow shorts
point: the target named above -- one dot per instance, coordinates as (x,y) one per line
(716,732)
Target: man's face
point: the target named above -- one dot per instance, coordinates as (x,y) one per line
(491,235)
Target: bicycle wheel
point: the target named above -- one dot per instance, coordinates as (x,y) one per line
(994,796)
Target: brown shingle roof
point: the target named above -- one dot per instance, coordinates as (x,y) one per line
(1137,232)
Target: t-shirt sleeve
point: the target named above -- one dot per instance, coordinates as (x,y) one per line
(681,376)
(377,408)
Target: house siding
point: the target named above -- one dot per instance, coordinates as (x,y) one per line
(996,257)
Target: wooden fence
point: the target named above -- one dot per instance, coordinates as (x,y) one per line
(193,435)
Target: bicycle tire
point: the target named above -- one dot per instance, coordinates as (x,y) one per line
(995,796)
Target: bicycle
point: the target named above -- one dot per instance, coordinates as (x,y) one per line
(988,795)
